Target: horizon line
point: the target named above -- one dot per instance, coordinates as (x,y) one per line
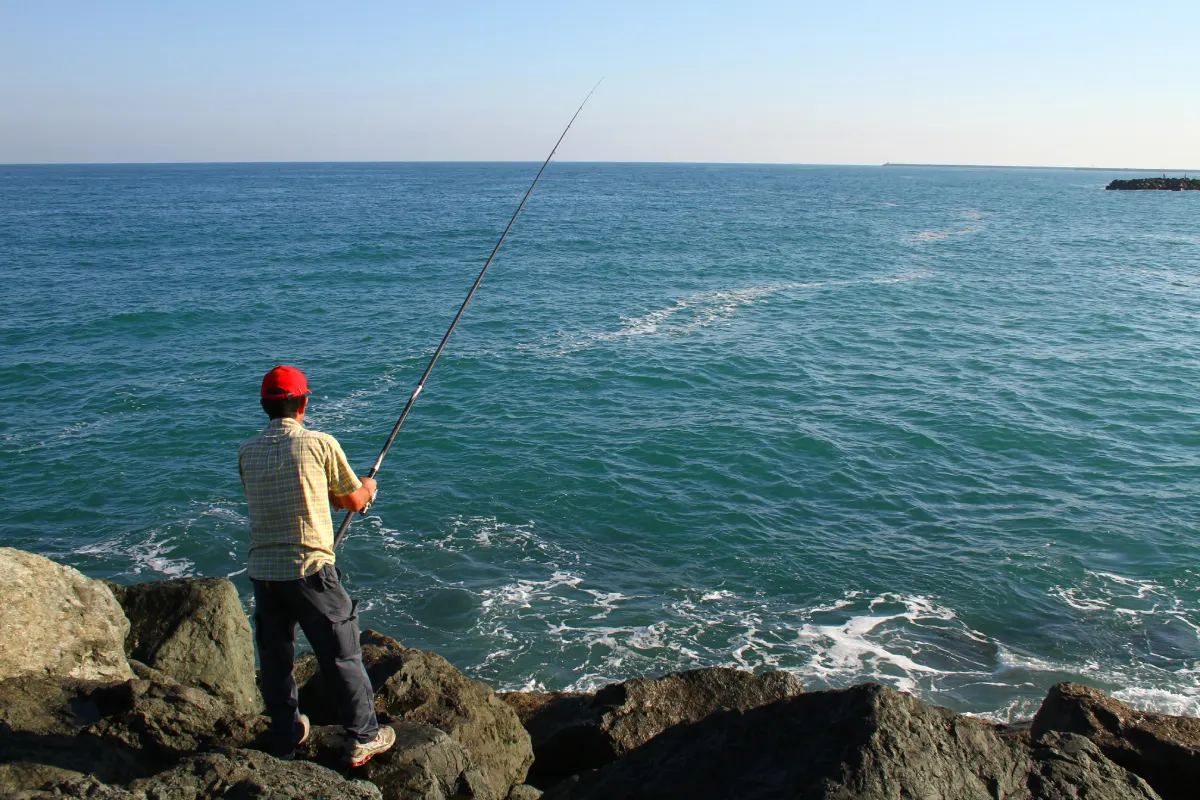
(1027,166)
(889,164)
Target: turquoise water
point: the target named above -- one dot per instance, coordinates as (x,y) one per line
(931,427)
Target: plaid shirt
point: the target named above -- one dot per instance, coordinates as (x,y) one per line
(288,473)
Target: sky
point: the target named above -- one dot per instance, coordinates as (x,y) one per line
(848,82)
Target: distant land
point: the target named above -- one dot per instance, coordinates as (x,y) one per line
(1010,166)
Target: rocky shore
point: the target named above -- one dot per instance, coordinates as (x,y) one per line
(1162,184)
(148,692)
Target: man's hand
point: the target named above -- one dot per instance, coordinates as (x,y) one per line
(359,499)
(372,487)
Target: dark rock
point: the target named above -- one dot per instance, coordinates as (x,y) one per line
(530,706)
(166,722)
(145,673)
(194,631)
(58,623)
(44,706)
(1163,184)
(41,725)
(424,764)
(863,743)
(70,738)
(115,732)
(572,732)
(1065,766)
(564,730)
(75,786)
(244,774)
(423,687)
(23,778)
(1163,749)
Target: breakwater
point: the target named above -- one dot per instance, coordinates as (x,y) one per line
(1162,184)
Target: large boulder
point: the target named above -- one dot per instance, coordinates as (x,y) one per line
(576,732)
(864,743)
(1165,750)
(194,631)
(56,622)
(423,687)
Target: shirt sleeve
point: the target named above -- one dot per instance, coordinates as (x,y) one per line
(341,477)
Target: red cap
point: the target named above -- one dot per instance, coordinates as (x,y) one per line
(284,382)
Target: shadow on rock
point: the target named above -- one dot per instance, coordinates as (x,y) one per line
(1162,749)
(863,743)
(572,733)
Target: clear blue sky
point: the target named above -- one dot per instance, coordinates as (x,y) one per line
(1063,83)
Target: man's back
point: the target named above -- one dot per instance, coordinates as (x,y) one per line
(291,477)
(288,473)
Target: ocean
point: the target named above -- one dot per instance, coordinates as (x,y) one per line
(938,428)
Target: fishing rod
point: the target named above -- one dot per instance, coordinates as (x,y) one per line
(345,526)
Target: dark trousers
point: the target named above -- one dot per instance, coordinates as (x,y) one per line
(330,621)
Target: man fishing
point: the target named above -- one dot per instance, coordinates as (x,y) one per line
(291,476)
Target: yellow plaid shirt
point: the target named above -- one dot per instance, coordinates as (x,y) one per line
(288,473)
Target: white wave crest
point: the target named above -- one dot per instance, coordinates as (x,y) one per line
(695,312)
(1129,598)
(152,554)
(699,310)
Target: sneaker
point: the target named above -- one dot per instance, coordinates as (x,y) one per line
(362,752)
(290,753)
(305,729)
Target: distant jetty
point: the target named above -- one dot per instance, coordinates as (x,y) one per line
(1164,184)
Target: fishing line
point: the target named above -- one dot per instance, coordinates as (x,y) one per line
(345,526)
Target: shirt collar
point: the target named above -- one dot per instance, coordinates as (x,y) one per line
(282,423)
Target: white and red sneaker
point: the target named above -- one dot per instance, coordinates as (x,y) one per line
(362,752)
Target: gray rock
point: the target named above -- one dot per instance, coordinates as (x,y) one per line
(41,722)
(1162,749)
(423,687)
(165,722)
(194,631)
(42,706)
(115,732)
(572,733)
(67,625)
(1066,766)
(147,673)
(244,774)
(424,764)
(75,786)
(863,743)
(22,778)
